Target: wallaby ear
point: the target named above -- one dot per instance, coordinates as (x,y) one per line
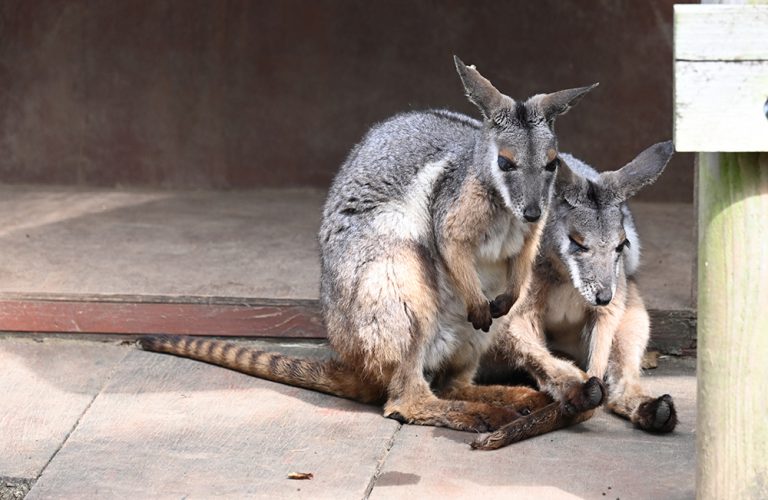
(570,186)
(624,183)
(479,90)
(558,103)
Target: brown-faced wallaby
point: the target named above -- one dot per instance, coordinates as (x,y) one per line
(583,300)
(429,232)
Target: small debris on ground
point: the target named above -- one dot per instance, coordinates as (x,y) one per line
(14,489)
(300,475)
(650,360)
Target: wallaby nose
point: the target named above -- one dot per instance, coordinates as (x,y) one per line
(532,213)
(603,297)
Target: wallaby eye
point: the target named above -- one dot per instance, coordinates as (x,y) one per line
(551,166)
(577,247)
(505,164)
(624,244)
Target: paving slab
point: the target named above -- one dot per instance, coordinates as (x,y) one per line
(45,387)
(168,427)
(255,243)
(602,458)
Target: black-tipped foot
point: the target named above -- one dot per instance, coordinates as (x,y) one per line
(587,396)
(657,415)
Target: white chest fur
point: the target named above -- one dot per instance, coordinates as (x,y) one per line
(566,309)
(504,239)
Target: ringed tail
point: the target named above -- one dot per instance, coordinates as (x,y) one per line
(326,376)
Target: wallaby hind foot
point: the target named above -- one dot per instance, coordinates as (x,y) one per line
(458,415)
(656,415)
(524,400)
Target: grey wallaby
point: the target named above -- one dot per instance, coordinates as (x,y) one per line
(583,301)
(427,240)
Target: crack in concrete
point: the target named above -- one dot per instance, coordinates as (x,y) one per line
(382,461)
(77,422)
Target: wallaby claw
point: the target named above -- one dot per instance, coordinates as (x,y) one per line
(397,416)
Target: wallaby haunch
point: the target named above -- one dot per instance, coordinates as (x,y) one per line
(428,234)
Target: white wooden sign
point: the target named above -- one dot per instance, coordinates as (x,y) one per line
(721,78)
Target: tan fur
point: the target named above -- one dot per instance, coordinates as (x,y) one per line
(606,321)
(548,418)
(400,278)
(520,268)
(627,348)
(465,223)
(415,259)
(389,366)
(617,336)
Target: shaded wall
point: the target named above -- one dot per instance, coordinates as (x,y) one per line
(226,93)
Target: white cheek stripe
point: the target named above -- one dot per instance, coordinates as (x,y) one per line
(498,178)
(587,292)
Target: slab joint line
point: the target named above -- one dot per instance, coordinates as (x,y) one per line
(77,422)
(382,461)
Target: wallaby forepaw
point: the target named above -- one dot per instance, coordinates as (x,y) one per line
(657,415)
(480,316)
(583,397)
(501,305)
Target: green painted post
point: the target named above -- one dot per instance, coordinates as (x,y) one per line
(732,422)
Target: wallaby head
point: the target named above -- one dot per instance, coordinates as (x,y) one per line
(517,152)
(590,226)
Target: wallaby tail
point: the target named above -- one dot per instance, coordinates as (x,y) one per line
(327,376)
(547,419)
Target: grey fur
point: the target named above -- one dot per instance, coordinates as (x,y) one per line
(395,191)
(583,301)
(595,207)
(558,103)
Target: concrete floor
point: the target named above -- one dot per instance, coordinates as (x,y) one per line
(101,419)
(255,244)
(87,419)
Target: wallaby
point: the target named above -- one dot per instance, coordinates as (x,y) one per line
(583,301)
(429,232)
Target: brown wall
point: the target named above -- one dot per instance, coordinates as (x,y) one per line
(228,93)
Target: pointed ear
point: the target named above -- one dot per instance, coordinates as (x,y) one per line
(624,183)
(558,103)
(570,186)
(479,90)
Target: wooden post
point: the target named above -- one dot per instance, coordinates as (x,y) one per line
(721,87)
(732,423)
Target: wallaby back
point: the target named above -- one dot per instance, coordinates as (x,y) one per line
(326,376)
